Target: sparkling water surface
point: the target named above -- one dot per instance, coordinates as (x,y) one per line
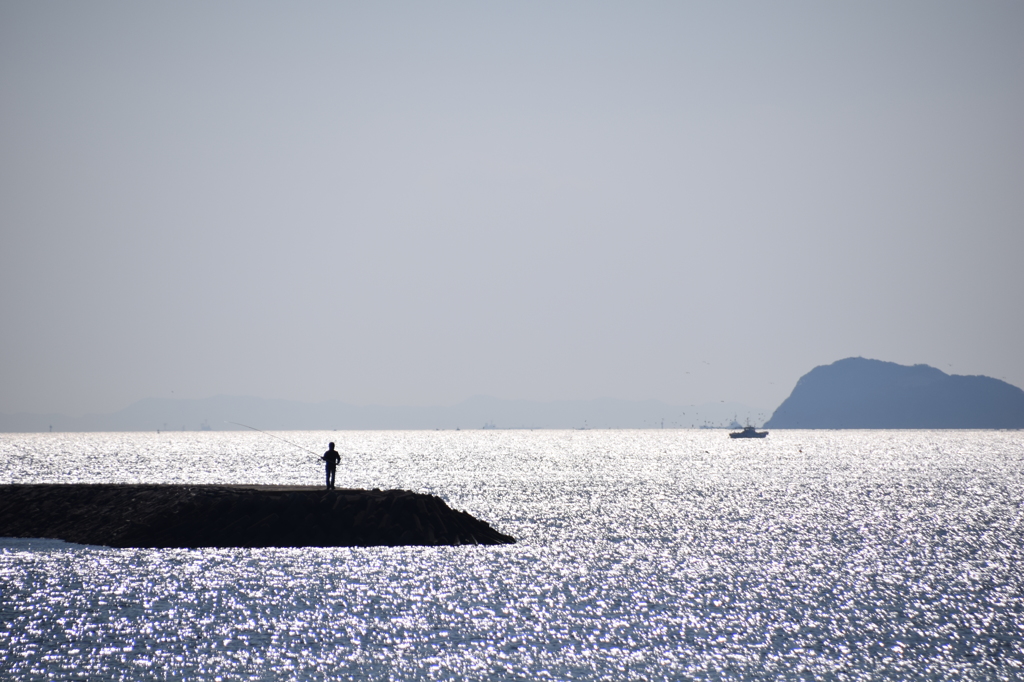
(645,555)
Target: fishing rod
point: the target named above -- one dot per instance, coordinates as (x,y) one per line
(277,437)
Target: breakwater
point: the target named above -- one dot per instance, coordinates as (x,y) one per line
(161,516)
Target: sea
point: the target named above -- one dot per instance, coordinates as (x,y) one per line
(641,555)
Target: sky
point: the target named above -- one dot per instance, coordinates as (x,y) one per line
(400,203)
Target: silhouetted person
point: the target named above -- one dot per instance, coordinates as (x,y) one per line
(331,457)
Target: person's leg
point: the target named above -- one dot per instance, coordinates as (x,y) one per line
(327,473)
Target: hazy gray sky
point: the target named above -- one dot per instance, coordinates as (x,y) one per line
(413,203)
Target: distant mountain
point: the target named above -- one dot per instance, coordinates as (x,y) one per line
(856,393)
(218,412)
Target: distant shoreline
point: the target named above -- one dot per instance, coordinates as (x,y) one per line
(226,413)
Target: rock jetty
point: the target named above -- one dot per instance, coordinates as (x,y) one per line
(161,516)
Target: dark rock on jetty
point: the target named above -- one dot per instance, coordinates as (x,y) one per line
(235,516)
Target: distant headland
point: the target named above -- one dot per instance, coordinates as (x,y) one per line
(857,393)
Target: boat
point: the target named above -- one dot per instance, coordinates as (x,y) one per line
(748,432)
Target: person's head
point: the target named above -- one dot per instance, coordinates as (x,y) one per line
(330,446)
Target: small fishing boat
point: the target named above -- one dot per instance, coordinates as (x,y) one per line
(748,432)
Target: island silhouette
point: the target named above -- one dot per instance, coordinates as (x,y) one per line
(858,393)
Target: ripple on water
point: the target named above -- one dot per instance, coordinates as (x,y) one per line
(642,555)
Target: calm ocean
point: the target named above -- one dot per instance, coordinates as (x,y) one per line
(642,555)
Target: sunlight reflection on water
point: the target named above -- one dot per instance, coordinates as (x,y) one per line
(642,555)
